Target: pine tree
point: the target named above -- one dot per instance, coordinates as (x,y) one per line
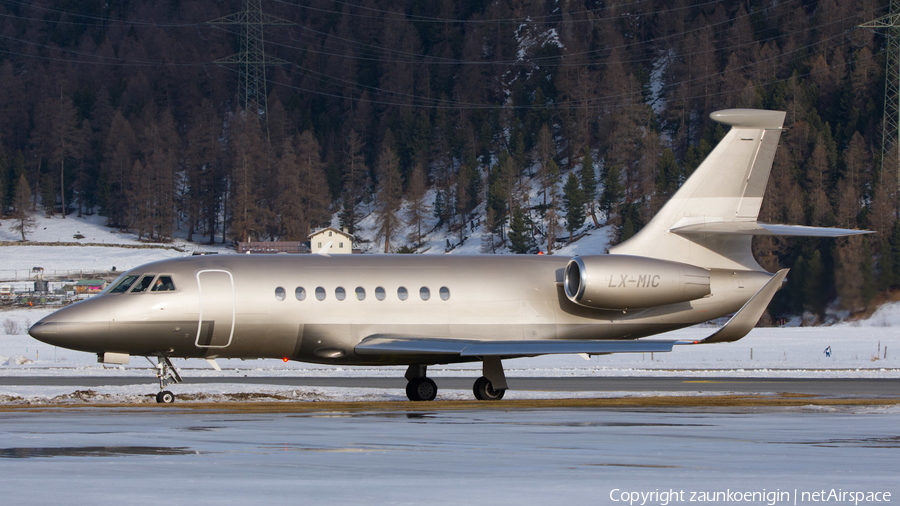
(813,287)
(497,200)
(312,183)
(66,141)
(589,183)
(289,199)
(848,275)
(354,175)
(895,252)
(668,177)
(886,265)
(573,197)
(390,187)
(795,283)
(22,220)
(520,239)
(48,194)
(613,192)
(3,186)
(439,211)
(552,213)
(868,289)
(417,208)
(545,151)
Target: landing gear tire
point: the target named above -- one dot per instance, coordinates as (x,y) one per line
(484,390)
(165,397)
(421,389)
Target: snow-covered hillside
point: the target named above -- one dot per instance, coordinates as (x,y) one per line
(101,248)
(104,247)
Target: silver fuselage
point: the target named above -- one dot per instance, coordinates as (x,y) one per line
(228,306)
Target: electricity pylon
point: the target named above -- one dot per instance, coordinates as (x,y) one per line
(890,129)
(252,58)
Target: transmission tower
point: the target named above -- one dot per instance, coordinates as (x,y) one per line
(252,58)
(890,142)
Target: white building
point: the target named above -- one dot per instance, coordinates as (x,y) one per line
(341,242)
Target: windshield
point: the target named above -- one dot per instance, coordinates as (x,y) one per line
(163,284)
(123,285)
(143,284)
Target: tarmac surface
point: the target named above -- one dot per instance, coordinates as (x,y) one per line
(194,455)
(839,387)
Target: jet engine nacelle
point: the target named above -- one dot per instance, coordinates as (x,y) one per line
(627,282)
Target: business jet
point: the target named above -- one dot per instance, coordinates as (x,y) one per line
(691,263)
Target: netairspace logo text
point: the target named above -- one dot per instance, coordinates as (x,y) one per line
(768,497)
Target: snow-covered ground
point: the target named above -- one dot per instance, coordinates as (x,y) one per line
(119,252)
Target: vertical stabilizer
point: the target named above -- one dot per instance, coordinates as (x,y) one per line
(726,190)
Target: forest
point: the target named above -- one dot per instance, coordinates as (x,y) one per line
(127,109)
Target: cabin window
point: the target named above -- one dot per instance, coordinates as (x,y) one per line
(143,284)
(445,293)
(402,294)
(360,293)
(320,293)
(163,284)
(424,293)
(279,293)
(123,285)
(300,293)
(339,293)
(379,293)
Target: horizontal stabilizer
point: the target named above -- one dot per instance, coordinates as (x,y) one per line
(381,345)
(758,228)
(744,320)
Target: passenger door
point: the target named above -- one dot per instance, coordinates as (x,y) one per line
(217,308)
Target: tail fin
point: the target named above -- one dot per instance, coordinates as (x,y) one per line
(711,219)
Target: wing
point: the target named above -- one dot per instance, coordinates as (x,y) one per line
(441,348)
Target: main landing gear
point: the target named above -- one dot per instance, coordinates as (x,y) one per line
(419,388)
(490,387)
(484,390)
(167,375)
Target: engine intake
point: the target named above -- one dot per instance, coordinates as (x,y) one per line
(628,282)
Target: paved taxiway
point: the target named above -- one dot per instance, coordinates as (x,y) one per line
(154,455)
(856,387)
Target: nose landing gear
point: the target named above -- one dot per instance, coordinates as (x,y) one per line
(165,397)
(167,375)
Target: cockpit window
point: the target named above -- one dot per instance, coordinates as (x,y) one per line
(163,284)
(123,285)
(143,284)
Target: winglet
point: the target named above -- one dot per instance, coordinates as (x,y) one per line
(324,250)
(744,320)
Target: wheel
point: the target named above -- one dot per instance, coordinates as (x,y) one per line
(484,390)
(421,389)
(165,397)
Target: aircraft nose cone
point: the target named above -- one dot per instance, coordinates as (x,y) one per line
(40,331)
(81,326)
